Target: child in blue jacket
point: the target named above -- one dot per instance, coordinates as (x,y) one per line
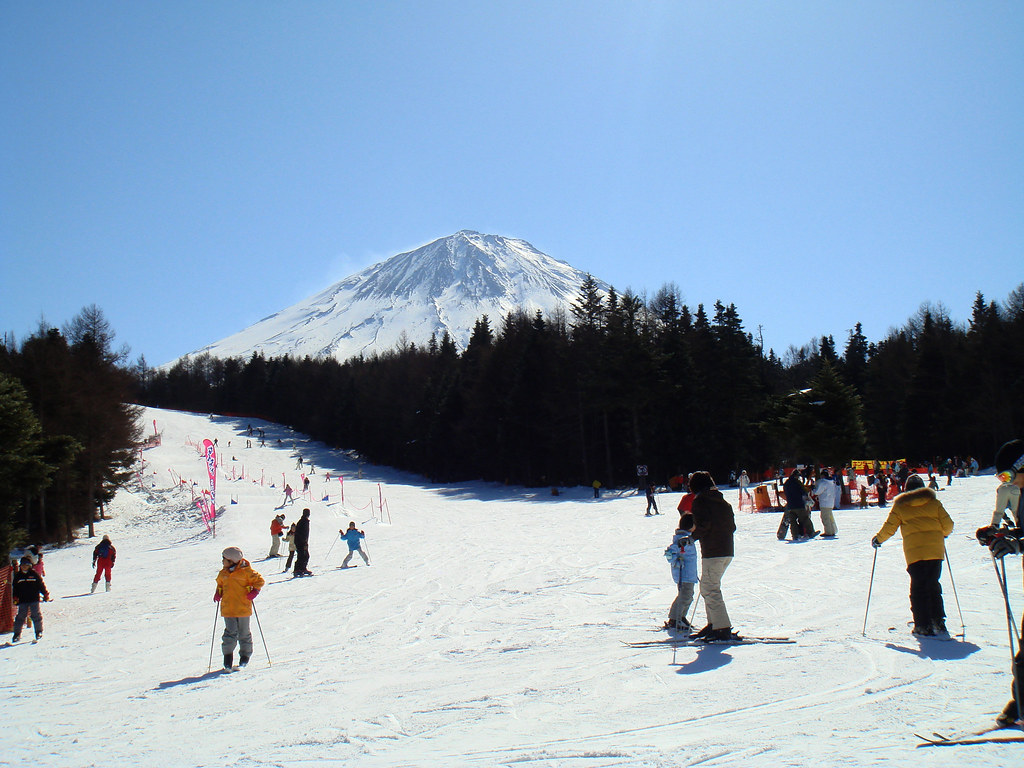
(353,538)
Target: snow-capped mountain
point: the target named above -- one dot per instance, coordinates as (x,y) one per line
(446,285)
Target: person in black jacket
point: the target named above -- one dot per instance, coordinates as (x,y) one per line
(796,514)
(713,527)
(28,588)
(302,545)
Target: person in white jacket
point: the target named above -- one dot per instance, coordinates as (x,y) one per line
(826,491)
(1007,500)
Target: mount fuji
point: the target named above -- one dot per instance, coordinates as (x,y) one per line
(446,285)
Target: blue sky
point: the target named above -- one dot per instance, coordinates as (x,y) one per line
(191,167)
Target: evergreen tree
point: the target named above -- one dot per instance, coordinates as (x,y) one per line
(824,421)
(23,471)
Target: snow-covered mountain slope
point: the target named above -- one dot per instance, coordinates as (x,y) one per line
(489,630)
(445,286)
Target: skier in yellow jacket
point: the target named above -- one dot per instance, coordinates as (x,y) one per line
(925,524)
(237,586)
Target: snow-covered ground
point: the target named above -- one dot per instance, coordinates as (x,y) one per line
(489,630)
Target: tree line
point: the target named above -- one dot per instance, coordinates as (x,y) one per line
(620,381)
(68,431)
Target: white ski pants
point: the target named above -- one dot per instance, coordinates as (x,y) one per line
(352,552)
(711,571)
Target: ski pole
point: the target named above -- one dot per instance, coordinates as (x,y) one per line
(693,613)
(1011,627)
(331,549)
(262,637)
(949,569)
(216,610)
(874,560)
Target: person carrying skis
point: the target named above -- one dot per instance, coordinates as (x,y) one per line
(28,587)
(276,529)
(353,538)
(237,586)
(925,524)
(302,545)
(713,526)
(103,556)
(1006,541)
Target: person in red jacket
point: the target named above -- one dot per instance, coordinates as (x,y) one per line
(103,556)
(237,586)
(276,529)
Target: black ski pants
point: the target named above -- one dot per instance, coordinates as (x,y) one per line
(301,559)
(926,592)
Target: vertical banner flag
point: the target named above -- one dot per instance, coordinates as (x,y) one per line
(210,452)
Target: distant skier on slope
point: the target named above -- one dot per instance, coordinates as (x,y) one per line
(652,500)
(103,556)
(237,586)
(353,538)
(276,529)
(289,539)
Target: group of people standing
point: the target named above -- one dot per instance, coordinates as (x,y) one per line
(297,539)
(916,513)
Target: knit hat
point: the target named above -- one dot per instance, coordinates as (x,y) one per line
(234,554)
(701,481)
(914,481)
(1010,457)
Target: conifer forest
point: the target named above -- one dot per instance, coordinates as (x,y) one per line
(621,381)
(616,382)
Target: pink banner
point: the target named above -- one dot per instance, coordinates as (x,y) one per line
(210,452)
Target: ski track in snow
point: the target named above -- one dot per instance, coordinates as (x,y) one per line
(487,631)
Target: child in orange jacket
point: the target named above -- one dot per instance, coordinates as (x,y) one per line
(237,586)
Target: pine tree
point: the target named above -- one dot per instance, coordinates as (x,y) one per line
(23,470)
(824,421)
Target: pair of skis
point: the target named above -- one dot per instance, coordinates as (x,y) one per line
(697,642)
(994,735)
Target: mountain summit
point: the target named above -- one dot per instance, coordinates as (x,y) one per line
(446,285)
